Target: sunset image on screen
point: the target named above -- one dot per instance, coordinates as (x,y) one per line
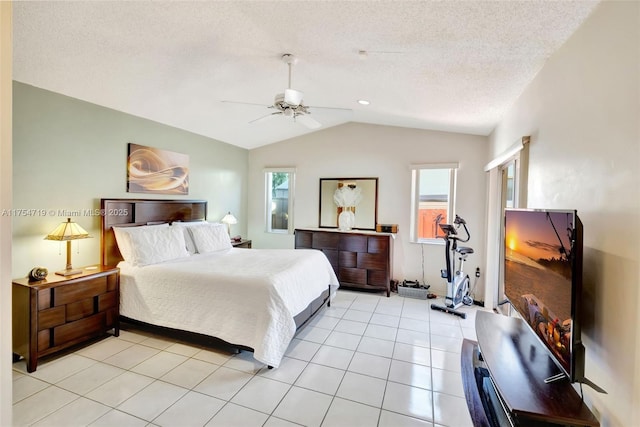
(534,236)
(538,273)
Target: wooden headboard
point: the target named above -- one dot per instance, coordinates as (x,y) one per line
(136,212)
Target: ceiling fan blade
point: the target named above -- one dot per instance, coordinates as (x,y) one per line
(260,119)
(293,97)
(308,121)
(328,108)
(244,103)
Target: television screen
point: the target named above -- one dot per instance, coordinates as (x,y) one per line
(542,277)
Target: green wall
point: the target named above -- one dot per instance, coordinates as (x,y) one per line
(68,154)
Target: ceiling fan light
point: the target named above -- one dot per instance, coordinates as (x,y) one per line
(288,112)
(293,97)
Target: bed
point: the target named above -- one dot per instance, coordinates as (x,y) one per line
(252,299)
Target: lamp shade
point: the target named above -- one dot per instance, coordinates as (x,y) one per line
(68,231)
(229,219)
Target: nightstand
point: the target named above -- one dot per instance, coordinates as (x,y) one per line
(242,244)
(55,313)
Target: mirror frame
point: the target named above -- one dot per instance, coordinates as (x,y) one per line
(327,204)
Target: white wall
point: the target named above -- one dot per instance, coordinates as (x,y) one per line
(6,375)
(67,154)
(583,113)
(363,150)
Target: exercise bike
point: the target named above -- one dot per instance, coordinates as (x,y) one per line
(457,280)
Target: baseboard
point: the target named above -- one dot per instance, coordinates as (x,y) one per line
(480,303)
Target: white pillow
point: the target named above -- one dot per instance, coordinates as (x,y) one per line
(212,238)
(124,241)
(158,244)
(191,247)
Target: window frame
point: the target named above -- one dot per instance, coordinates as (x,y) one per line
(415,199)
(268,199)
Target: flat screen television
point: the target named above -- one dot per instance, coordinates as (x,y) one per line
(543,280)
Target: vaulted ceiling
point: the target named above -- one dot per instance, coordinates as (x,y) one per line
(443,65)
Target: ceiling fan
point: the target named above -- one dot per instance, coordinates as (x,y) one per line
(289,103)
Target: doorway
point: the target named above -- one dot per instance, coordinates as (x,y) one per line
(507,189)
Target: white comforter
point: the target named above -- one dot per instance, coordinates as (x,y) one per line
(245,297)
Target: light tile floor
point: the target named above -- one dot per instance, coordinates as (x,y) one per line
(368,360)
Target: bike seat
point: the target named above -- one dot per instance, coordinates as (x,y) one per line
(463,250)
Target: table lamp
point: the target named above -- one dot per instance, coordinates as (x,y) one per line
(229,219)
(68,231)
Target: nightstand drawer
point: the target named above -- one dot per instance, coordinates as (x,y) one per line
(51,317)
(112,317)
(79,328)
(44,339)
(80,309)
(74,292)
(108,300)
(112,282)
(44,299)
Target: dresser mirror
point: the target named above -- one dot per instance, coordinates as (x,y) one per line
(366,209)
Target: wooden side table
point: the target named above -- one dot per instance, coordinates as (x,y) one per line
(242,244)
(55,313)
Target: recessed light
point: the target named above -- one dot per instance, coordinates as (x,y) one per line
(363,102)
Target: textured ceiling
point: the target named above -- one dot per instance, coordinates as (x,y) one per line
(443,65)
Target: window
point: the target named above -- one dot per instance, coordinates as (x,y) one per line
(433,190)
(509,184)
(279,197)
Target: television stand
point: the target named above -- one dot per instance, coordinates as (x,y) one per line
(504,374)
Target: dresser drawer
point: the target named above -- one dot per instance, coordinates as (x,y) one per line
(44,299)
(44,339)
(108,300)
(78,310)
(353,243)
(353,275)
(112,282)
(80,328)
(111,316)
(303,239)
(377,245)
(332,256)
(373,261)
(377,277)
(325,241)
(51,317)
(78,291)
(348,259)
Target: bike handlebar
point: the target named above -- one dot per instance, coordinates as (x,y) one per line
(451,231)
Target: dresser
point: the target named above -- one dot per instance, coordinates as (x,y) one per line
(360,260)
(55,313)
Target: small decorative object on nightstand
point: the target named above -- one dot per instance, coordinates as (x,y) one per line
(241,244)
(60,311)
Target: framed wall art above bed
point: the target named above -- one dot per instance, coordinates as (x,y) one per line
(152,170)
